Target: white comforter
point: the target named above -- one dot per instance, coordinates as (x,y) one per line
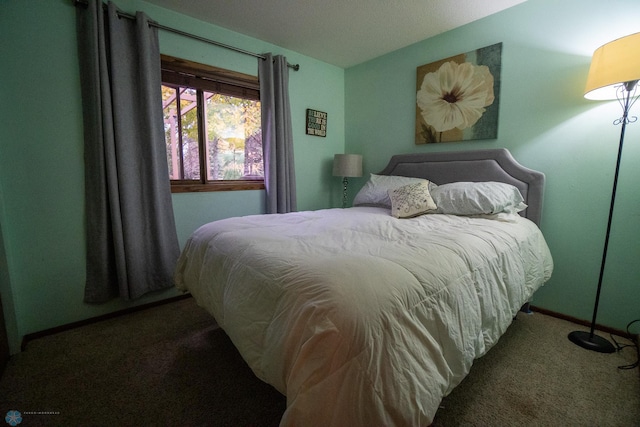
(359,318)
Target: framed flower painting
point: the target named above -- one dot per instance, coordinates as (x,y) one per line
(457,98)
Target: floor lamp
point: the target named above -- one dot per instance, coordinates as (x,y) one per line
(346,166)
(614,74)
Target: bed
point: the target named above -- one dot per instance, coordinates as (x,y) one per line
(370,315)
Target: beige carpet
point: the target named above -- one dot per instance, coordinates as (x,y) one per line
(172,366)
(535,376)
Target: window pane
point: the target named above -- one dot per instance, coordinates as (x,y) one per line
(234,138)
(189,124)
(212,127)
(171,130)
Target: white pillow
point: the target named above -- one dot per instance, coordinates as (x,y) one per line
(411,200)
(375,191)
(476,198)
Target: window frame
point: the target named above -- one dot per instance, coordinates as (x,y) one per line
(203,77)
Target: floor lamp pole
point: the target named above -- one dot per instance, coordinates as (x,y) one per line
(590,340)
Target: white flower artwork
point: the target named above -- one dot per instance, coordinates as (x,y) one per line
(457,98)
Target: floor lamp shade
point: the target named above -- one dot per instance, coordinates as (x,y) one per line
(613,64)
(347,166)
(614,74)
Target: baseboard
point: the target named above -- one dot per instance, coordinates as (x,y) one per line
(73,325)
(30,337)
(601,328)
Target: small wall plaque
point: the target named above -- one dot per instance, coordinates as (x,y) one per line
(316,123)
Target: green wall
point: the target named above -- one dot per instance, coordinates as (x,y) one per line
(547,125)
(41,155)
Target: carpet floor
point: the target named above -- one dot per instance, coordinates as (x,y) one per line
(172,365)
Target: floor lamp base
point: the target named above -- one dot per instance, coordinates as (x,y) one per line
(591,342)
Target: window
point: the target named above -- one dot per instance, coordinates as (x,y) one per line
(212,127)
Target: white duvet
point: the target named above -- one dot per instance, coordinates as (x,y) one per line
(359,318)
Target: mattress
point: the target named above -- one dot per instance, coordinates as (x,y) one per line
(360,318)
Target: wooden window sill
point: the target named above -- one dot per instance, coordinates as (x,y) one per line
(218,186)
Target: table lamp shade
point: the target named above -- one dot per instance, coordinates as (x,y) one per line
(613,64)
(347,165)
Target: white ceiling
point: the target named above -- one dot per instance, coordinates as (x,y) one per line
(339,32)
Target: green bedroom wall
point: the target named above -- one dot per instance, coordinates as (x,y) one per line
(547,124)
(41,155)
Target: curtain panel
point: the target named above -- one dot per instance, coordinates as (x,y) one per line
(132,245)
(277,134)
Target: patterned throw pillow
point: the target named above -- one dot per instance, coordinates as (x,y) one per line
(411,200)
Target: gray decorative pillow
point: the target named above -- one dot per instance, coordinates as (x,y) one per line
(375,192)
(411,200)
(477,198)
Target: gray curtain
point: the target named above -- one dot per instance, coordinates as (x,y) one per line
(132,245)
(277,139)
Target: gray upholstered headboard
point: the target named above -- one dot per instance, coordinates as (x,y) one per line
(478,165)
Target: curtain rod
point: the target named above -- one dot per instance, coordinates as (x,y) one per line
(294,67)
